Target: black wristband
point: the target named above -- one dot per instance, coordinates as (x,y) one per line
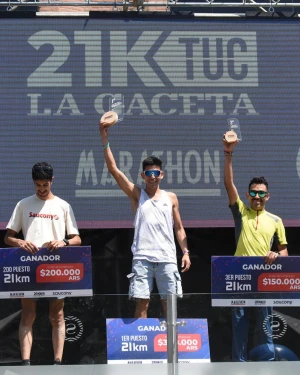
(67,242)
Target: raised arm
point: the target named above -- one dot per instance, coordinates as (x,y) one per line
(228,172)
(131,190)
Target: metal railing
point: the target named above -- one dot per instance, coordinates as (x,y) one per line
(242,4)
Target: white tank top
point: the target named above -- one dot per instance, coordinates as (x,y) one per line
(153,234)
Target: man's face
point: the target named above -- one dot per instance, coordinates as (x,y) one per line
(43,188)
(258,196)
(152,176)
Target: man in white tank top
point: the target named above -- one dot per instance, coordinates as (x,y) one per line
(157,217)
(45,221)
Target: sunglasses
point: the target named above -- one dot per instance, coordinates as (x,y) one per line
(151,172)
(261,194)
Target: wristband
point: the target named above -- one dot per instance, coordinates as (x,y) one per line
(186,252)
(107,145)
(228,153)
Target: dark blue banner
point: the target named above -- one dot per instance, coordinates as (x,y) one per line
(63,273)
(250,281)
(181,79)
(137,341)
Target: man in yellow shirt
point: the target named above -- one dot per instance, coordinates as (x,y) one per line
(255,231)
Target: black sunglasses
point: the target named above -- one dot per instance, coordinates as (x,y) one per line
(261,193)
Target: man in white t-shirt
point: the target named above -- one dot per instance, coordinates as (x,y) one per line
(157,217)
(45,221)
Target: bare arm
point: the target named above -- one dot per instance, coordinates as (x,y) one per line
(74,240)
(228,172)
(180,233)
(272,255)
(11,240)
(282,250)
(131,190)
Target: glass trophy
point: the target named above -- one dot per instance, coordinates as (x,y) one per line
(116,104)
(234,125)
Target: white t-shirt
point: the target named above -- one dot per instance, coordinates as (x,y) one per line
(43,221)
(154,235)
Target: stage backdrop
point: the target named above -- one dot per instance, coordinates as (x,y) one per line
(181,80)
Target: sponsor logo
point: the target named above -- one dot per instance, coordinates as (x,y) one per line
(283,302)
(62,293)
(74,328)
(44,216)
(14,295)
(259,303)
(238,302)
(275,326)
(39,294)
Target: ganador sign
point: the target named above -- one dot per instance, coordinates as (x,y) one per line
(181,80)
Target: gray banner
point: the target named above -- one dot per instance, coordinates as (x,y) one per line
(179,88)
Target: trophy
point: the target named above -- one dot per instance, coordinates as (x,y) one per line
(116,110)
(116,104)
(234,132)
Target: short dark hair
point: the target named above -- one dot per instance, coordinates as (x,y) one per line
(258,181)
(152,160)
(42,171)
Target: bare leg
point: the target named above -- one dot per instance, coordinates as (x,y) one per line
(56,316)
(164,307)
(25,328)
(141,308)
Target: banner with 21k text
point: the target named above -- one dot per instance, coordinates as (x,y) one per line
(181,80)
(142,341)
(66,272)
(250,281)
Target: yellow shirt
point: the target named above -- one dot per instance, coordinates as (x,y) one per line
(255,231)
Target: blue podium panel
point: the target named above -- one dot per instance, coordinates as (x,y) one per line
(140,341)
(249,281)
(63,273)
